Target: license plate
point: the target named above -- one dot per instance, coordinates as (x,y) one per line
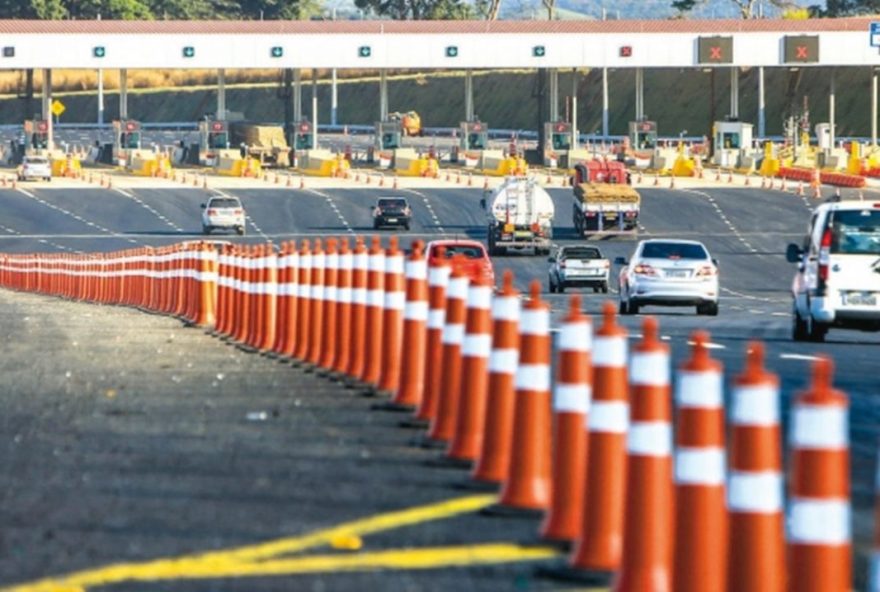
(861,298)
(391,219)
(522,234)
(611,215)
(676,274)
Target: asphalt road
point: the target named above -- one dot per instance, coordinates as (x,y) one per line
(746,230)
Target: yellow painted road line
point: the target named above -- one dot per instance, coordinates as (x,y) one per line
(218,560)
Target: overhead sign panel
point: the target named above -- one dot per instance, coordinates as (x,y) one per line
(715,50)
(875,34)
(801,49)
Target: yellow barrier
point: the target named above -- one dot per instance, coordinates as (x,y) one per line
(683,166)
(66,167)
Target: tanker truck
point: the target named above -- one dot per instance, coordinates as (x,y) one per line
(520,214)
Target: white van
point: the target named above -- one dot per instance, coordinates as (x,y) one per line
(837,283)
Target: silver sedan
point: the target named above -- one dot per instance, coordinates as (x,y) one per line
(669,273)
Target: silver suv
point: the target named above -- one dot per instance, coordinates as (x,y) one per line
(837,283)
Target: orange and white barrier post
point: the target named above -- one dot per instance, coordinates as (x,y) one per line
(207,287)
(304,301)
(527,485)
(438,281)
(392,319)
(415,331)
(572,394)
(756,548)
(494,458)
(646,563)
(601,540)
(819,537)
(476,350)
(357,343)
(375,309)
(269,299)
(331,273)
(443,423)
(701,526)
(316,311)
(343,309)
(287,277)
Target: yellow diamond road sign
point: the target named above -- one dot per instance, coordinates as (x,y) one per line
(57,108)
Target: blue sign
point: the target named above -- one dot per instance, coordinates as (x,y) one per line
(875,34)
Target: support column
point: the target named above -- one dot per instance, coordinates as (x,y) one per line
(554,94)
(334,97)
(831,108)
(314,107)
(221,94)
(734,93)
(468,95)
(297,96)
(640,94)
(47,107)
(873,107)
(100,97)
(383,95)
(574,109)
(762,109)
(123,94)
(605,102)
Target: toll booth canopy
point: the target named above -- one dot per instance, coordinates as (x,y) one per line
(303,138)
(475,135)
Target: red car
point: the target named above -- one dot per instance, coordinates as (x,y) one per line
(476,262)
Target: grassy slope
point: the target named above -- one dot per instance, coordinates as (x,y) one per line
(677,99)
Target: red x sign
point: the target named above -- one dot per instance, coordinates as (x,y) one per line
(715,53)
(801,52)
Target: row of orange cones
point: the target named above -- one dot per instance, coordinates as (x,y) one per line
(595,454)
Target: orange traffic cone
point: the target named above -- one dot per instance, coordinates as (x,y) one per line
(599,548)
(494,456)
(358,310)
(392,319)
(286,299)
(269,298)
(571,403)
(316,310)
(438,280)
(304,301)
(443,423)
(415,331)
(527,485)
(819,539)
(756,548)
(328,341)
(476,349)
(207,287)
(343,309)
(646,562)
(700,513)
(375,309)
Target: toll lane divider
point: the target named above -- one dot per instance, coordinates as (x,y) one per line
(600,453)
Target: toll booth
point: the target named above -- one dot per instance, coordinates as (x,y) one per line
(389,135)
(474,136)
(126,139)
(36,132)
(559,135)
(303,136)
(643,134)
(731,141)
(213,139)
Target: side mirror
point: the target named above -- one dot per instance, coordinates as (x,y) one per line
(793,253)
(203,206)
(620,261)
(483,203)
(715,261)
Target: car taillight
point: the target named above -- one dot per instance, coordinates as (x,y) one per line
(562,264)
(591,214)
(642,269)
(706,270)
(212,212)
(238,212)
(606,264)
(376,212)
(824,255)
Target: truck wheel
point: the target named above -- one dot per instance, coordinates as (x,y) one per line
(816,331)
(240,230)
(622,308)
(798,326)
(561,287)
(206,229)
(604,288)
(552,286)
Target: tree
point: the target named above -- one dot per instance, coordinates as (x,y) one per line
(835,8)
(107,9)
(550,5)
(748,9)
(488,9)
(418,9)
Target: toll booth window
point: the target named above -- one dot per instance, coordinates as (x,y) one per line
(646,140)
(39,141)
(304,141)
(475,142)
(389,141)
(218,140)
(731,140)
(561,142)
(130,140)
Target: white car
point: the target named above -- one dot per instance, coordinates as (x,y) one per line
(669,273)
(578,265)
(35,167)
(223,212)
(837,283)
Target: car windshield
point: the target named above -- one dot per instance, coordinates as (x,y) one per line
(392,203)
(856,232)
(224,203)
(581,253)
(37,161)
(674,251)
(469,251)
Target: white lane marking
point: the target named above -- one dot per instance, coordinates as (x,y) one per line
(149,208)
(724,219)
(430,209)
(72,215)
(709,345)
(779,314)
(248,219)
(16,234)
(804,357)
(750,297)
(335,209)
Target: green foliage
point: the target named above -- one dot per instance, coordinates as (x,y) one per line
(418,9)
(835,8)
(159,9)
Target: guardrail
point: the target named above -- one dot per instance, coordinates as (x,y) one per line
(594,452)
